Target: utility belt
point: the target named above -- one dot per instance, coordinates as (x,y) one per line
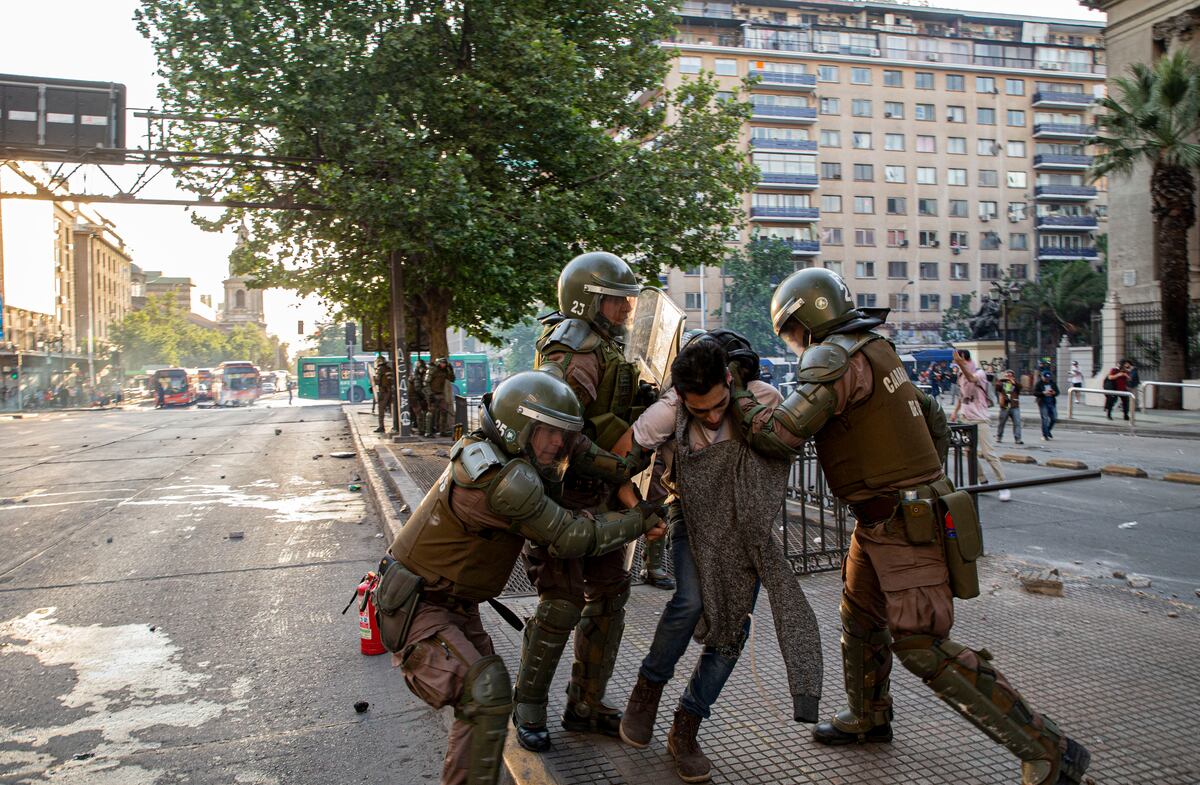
(927,512)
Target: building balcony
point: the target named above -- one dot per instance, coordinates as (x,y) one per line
(783,81)
(1048,99)
(798,214)
(1064,193)
(803,247)
(800,181)
(1063,131)
(1083,223)
(795,145)
(1046,161)
(1045,254)
(795,114)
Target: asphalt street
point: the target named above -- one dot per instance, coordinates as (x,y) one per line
(143,641)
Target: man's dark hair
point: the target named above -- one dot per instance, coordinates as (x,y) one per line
(699,367)
(966,353)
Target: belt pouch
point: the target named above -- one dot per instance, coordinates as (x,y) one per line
(964,544)
(918,521)
(396,596)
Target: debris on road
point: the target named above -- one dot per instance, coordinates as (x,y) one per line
(1042,582)
(278,431)
(406,451)
(355,486)
(109,539)
(342,454)
(1172,614)
(1127,525)
(83,756)
(404,508)
(361,706)
(442,454)
(317,456)
(237,535)
(1119,574)
(1138,582)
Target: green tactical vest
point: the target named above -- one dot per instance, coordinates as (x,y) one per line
(613,410)
(883,440)
(436,544)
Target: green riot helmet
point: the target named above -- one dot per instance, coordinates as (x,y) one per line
(587,280)
(815,298)
(535,415)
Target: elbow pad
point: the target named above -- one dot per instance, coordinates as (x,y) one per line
(806,410)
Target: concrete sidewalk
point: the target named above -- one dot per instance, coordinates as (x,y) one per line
(1110,665)
(1146,422)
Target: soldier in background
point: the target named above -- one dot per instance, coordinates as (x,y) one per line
(385,391)
(418,400)
(881,443)
(437,382)
(462,541)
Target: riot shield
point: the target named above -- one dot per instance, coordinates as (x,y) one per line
(652,340)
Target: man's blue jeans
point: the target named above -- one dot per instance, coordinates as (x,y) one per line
(1013,414)
(1049,411)
(675,629)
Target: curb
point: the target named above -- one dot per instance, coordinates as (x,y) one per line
(1066,463)
(1012,457)
(376,487)
(1187,478)
(1123,471)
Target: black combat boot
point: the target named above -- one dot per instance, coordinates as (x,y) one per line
(857,732)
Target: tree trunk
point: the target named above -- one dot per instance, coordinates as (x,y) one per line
(1172,189)
(437,314)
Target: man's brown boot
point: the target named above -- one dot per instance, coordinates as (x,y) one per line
(637,726)
(690,763)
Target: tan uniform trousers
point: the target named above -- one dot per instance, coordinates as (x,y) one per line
(890,583)
(441,645)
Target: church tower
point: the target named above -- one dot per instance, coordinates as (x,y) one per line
(243,304)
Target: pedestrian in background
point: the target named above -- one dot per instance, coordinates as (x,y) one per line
(973,406)
(1008,395)
(1117,380)
(1132,383)
(290,385)
(1076,375)
(1046,392)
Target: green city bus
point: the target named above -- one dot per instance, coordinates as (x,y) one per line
(472,373)
(329,378)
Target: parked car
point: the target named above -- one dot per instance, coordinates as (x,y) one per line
(268,388)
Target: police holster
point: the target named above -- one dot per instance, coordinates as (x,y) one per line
(963,540)
(395,596)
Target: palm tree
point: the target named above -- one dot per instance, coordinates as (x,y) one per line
(1152,116)
(1063,298)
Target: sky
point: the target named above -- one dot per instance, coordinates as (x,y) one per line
(97,40)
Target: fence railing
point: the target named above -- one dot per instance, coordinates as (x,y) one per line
(1140,393)
(1074,392)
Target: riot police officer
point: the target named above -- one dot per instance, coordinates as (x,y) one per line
(913,548)
(438,393)
(417,401)
(597,294)
(462,542)
(385,390)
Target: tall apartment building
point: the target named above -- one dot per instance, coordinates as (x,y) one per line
(923,153)
(103,291)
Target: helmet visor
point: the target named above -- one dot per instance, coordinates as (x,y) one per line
(549,448)
(617,310)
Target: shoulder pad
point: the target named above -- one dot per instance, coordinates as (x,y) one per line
(517,490)
(476,457)
(575,334)
(852,342)
(823,363)
(552,318)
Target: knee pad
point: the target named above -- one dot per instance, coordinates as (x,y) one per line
(486,689)
(922,654)
(860,626)
(555,614)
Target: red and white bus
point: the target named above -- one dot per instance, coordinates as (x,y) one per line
(235,383)
(176,386)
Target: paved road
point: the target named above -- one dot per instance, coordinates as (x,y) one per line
(140,644)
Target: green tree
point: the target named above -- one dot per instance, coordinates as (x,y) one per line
(330,338)
(250,342)
(519,345)
(1061,302)
(955,320)
(1151,117)
(755,271)
(158,334)
(483,143)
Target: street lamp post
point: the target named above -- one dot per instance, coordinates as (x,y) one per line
(1008,293)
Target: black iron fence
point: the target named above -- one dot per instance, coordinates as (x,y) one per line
(1143,338)
(817,526)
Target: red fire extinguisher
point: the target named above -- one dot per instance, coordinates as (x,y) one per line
(368,631)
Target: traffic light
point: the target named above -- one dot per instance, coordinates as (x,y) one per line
(300,327)
(14,375)
(351,333)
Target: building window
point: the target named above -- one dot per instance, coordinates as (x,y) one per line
(958,271)
(927,238)
(1018,242)
(893,79)
(864,269)
(861,140)
(929,271)
(831,203)
(897,238)
(864,173)
(893,142)
(958,240)
(726,67)
(1019,272)
(239,299)
(959,299)
(986,147)
(927,207)
(1015,149)
(956,114)
(925,112)
(985,84)
(958,208)
(893,110)
(689,65)
(864,205)
(898,270)
(863,300)
(893,174)
(831,235)
(827,73)
(923,80)
(1016,211)
(861,107)
(956,83)
(897,205)
(956,145)
(860,76)
(1014,86)
(833,264)
(1016,118)
(692,301)
(931,302)
(864,238)
(831,106)
(898,302)
(988,178)
(926,144)
(989,272)
(831,171)
(988,210)
(956,176)
(927,175)
(985,116)
(831,138)
(1017,179)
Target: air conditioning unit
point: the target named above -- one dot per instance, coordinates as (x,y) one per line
(934,243)
(995,91)
(835,177)
(1050,66)
(933,57)
(985,218)
(904,243)
(956,250)
(887,114)
(1012,219)
(874,53)
(823,48)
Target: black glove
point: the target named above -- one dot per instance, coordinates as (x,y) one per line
(647,394)
(650,510)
